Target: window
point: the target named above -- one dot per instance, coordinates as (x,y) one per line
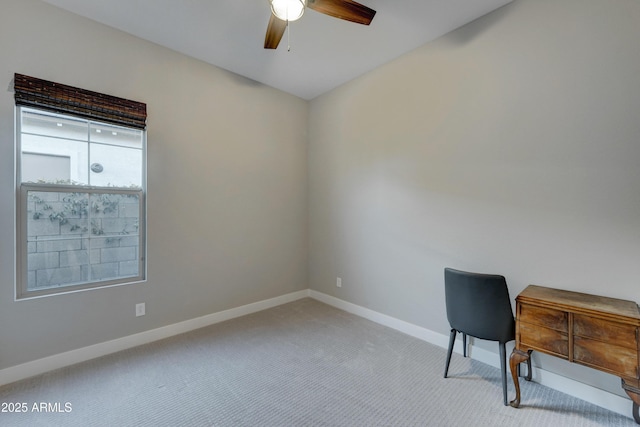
(80,198)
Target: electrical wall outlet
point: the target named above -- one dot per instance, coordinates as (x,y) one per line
(140,309)
(339,282)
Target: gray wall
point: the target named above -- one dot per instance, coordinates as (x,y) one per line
(511,146)
(227,183)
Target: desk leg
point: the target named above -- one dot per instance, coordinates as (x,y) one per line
(634,394)
(517,357)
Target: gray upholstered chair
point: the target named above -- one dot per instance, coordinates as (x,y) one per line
(478,305)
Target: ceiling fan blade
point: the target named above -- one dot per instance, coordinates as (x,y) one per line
(275,30)
(344,9)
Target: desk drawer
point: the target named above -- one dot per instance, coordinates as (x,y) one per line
(547,317)
(618,334)
(543,339)
(620,361)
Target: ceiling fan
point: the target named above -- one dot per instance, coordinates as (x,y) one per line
(285,11)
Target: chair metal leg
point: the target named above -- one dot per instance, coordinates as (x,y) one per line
(452,340)
(464,344)
(503,368)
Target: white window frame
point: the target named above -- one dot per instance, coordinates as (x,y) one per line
(22,189)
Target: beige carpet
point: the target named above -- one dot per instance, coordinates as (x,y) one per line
(300,364)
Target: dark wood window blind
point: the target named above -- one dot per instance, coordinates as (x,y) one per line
(59,98)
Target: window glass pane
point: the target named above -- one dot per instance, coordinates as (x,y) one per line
(55,223)
(37,167)
(56,263)
(114,257)
(56,214)
(115,135)
(53,125)
(114,242)
(48,167)
(115,166)
(76,237)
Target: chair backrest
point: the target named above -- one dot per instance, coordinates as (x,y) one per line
(479,305)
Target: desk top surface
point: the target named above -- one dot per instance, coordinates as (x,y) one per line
(579,302)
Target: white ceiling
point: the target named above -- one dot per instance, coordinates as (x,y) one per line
(325,52)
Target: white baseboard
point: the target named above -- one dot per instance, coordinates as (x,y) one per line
(602,398)
(40,366)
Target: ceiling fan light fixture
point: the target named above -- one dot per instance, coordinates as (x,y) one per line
(287,10)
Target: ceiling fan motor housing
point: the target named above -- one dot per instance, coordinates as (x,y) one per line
(288,10)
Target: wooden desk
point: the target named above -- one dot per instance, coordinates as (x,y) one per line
(591,330)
